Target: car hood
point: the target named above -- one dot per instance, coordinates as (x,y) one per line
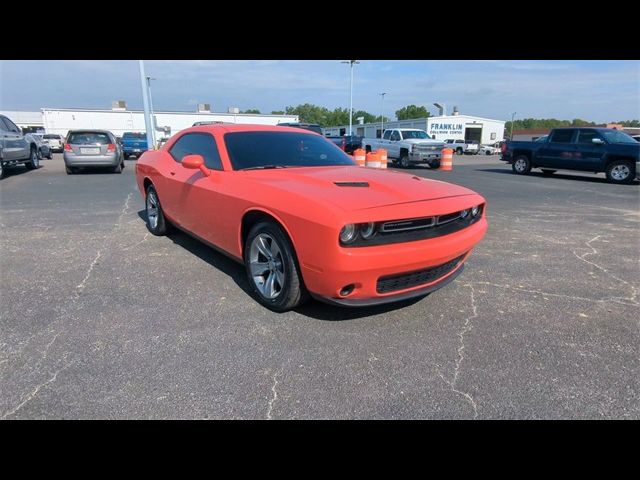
(357,188)
(423,141)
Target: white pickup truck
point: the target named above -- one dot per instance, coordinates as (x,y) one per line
(459,146)
(407,146)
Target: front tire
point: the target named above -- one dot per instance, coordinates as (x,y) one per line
(272,268)
(620,171)
(435,164)
(156,223)
(404,161)
(521,165)
(34,160)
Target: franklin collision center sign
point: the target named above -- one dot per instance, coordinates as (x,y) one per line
(446,128)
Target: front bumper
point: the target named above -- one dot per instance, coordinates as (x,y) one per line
(425,157)
(364,267)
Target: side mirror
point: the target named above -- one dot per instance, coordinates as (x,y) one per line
(195,162)
(597,141)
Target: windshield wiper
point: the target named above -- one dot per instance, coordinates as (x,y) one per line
(265,167)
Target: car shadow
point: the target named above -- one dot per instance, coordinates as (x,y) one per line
(312,308)
(94,171)
(557,175)
(14,171)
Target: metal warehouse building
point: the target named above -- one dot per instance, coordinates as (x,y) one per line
(456,126)
(119,120)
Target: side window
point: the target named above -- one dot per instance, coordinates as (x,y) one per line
(586,136)
(387,135)
(10,126)
(3,127)
(395,136)
(562,136)
(197,144)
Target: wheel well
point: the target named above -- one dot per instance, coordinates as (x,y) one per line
(368,148)
(146,184)
(250,219)
(403,151)
(524,153)
(610,160)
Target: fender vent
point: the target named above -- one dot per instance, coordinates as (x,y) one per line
(352,184)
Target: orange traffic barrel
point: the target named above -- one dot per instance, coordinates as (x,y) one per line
(360,156)
(446,162)
(383,158)
(373,159)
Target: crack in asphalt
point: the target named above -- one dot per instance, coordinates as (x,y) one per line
(634,290)
(456,371)
(275,395)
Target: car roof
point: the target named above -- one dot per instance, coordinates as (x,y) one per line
(90,130)
(247,127)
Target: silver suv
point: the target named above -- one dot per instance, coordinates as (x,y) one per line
(92,148)
(15,147)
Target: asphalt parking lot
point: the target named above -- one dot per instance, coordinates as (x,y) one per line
(100,319)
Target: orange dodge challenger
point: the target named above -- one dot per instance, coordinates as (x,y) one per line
(305,220)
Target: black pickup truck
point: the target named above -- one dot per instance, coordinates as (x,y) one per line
(587,149)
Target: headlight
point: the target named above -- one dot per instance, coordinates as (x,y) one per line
(475,211)
(367,230)
(464,213)
(348,233)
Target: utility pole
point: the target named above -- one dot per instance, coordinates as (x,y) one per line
(382,114)
(153,124)
(145,100)
(511,134)
(351,62)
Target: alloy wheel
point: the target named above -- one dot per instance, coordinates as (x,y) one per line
(267,266)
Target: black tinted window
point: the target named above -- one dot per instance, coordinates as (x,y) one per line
(288,149)
(52,136)
(586,136)
(562,136)
(89,138)
(137,136)
(197,144)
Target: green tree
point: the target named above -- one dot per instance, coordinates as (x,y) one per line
(412,111)
(339,116)
(309,113)
(629,123)
(368,117)
(252,110)
(277,112)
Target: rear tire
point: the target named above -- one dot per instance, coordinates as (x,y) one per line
(459,151)
(521,165)
(272,268)
(156,223)
(435,164)
(1,170)
(620,171)
(70,170)
(34,162)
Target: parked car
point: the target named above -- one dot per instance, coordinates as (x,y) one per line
(488,149)
(44,151)
(16,148)
(134,143)
(55,142)
(586,149)
(459,146)
(348,143)
(92,148)
(305,220)
(313,127)
(407,146)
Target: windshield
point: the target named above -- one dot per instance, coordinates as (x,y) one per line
(413,134)
(136,136)
(282,149)
(615,136)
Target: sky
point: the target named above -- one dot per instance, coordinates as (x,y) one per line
(599,91)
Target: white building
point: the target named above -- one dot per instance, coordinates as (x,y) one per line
(466,127)
(120,120)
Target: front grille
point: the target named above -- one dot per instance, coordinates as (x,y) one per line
(393,283)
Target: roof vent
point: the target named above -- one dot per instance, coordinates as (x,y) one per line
(204,108)
(119,105)
(352,184)
(455,112)
(233,110)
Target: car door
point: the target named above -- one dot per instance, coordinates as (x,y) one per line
(15,147)
(191,196)
(590,154)
(560,151)
(393,147)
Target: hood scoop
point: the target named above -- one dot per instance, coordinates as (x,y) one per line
(352,184)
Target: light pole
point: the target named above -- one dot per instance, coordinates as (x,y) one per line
(382,114)
(153,131)
(145,100)
(511,134)
(351,62)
